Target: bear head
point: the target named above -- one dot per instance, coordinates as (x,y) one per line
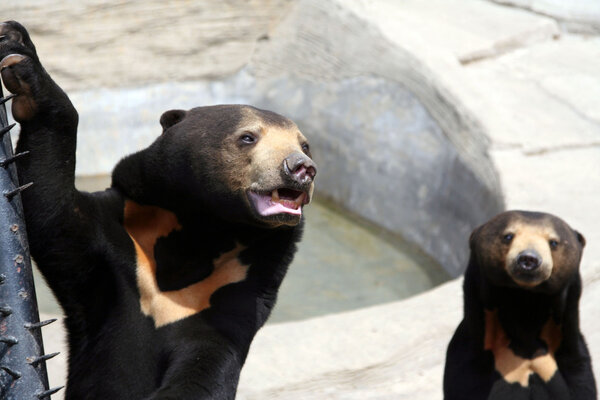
(234,162)
(531,250)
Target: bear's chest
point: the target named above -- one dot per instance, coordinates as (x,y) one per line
(513,367)
(176,276)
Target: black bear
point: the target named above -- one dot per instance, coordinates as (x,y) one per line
(166,276)
(520,336)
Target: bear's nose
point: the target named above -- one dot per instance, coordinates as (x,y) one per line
(300,168)
(529,260)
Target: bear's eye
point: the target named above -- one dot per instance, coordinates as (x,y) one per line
(248,138)
(553,244)
(305,148)
(507,238)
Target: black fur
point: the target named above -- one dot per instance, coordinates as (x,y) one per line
(88,259)
(470,371)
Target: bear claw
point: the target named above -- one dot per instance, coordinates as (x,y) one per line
(11,59)
(9,30)
(23,106)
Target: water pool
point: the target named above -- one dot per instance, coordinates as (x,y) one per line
(343,264)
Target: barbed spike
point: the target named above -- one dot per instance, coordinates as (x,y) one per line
(6,162)
(39,324)
(6,129)
(48,392)
(36,360)
(13,193)
(11,372)
(5,311)
(9,340)
(7,98)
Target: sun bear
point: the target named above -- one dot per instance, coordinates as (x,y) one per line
(165,277)
(520,336)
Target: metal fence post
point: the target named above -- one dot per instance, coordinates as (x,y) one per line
(22,360)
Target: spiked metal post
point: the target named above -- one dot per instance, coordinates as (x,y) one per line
(23,373)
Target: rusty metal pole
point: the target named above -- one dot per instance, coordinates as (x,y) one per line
(23,373)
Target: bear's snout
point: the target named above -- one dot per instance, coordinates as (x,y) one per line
(529,260)
(300,168)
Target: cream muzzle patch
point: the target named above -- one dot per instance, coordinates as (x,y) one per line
(531,242)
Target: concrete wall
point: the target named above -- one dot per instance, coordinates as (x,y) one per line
(394,146)
(579,16)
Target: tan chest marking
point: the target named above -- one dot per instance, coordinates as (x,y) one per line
(512,367)
(145,224)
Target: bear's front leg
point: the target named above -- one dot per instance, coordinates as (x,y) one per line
(207,369)
(48,126)
(55,213)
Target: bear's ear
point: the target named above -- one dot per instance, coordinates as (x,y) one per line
(580,238)
(171,117)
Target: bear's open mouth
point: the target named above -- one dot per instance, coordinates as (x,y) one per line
(278,201)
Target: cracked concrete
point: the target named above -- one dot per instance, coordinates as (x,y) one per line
(543,151)
(578,16)
(102,43)
(532,96)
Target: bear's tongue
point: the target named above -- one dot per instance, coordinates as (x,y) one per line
(278,201)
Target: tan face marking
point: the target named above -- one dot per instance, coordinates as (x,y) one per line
(145,224)
(275,145)
(513,368)
(258,166)
(263,167)
(536,237)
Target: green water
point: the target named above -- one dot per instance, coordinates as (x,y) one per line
(341,264)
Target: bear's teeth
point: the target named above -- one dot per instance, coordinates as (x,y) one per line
(295,203)
(300,200)
(289,204)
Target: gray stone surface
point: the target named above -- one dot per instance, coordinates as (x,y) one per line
(87,44)
(383,157)
(384,352)
(581,16)
(380,125)
(459,30)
